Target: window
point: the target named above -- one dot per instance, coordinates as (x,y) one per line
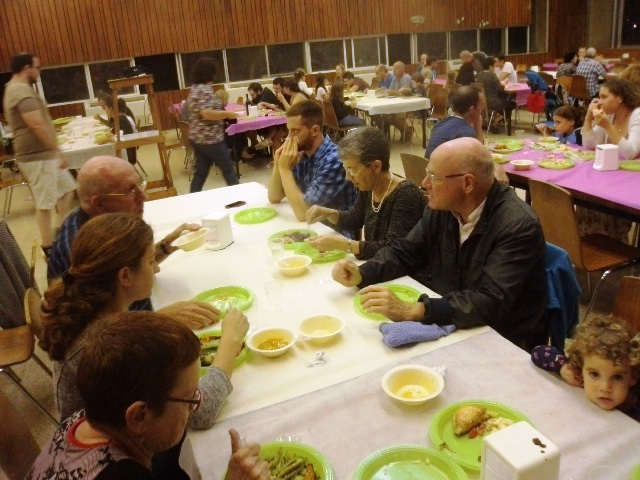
(630,25)
(102,72)
(491,41)
(518,39)
(326,55)
(399,48)
(365,52)
(164,70)
(188,60)
(382,48)
(285,58)
(538,27)
(462,40)
(246,63)
(435,44)
(64,84)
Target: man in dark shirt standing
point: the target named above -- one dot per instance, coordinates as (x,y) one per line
(466,74)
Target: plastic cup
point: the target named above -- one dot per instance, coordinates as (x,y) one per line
(276,247)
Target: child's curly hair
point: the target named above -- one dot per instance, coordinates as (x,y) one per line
(608,338)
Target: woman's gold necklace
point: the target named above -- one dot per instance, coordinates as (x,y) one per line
(373,207)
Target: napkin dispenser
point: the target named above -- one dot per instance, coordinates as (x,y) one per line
(519,452)
(371,92)
(220,235)
(253,111)
(606,157)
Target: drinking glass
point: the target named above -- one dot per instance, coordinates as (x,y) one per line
(276,246)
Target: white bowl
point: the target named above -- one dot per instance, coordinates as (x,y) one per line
(412,384)
(321,328)
(192,240)
(257,339)
(522,164)
(293,265)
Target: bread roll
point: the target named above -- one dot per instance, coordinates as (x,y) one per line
(467,417)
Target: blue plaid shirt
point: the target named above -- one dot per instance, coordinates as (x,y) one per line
(60,258)
(322,178)
(590,69)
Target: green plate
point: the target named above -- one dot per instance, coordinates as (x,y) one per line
(463,449)
(584,156)
(62,121)
(320,257)
(635,473)
(403,292)
(225,298)
(544,146)
(291,243)
(321,465)
(556,164)
(209,345)
(249,216)
(499,160)
(512,146)
(406,462)
(631,165)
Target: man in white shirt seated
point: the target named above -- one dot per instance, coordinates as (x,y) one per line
(504,70)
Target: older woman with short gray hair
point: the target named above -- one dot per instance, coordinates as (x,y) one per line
(387,206)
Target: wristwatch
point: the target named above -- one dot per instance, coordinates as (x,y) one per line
(349,246)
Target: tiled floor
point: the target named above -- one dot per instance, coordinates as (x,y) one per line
(22,223)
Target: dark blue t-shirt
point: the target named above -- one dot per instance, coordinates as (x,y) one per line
(448,128)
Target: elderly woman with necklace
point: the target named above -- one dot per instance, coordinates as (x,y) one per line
(387,206)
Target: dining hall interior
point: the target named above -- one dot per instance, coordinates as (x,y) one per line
(328,397)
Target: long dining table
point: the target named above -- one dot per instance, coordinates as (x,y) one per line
(614,191)
(390,105)
(339,407)
(80,144)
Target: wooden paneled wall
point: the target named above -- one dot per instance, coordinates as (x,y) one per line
(63,32)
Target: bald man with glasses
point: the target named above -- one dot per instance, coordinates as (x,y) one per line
(479,246)
(111,185)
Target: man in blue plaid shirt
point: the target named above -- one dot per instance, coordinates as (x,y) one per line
(591,70)
(307,169)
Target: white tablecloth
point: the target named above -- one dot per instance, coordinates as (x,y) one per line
(349,421)
(83,146)
(339,407)
(378,106)
(279,301)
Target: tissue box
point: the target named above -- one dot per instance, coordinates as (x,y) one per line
(606,157)
(220,234)
(519,452)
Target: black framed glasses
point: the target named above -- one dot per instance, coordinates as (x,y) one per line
(138,188)
(436,179)
(194,403)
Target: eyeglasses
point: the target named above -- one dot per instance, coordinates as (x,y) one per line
(194,403)
(435,179)
(139,188)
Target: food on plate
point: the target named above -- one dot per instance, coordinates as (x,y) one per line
(501,146)
(549,139)
(492,424)
(467,417)
(556,164)
(273,344)
(209,343)
(290,466)
(297,236)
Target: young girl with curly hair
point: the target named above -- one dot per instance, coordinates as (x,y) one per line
(603,357)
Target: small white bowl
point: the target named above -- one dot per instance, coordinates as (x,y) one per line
(321,328)
(192,240)
(293,265)
(521,164)
(257,339)
(412,384)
